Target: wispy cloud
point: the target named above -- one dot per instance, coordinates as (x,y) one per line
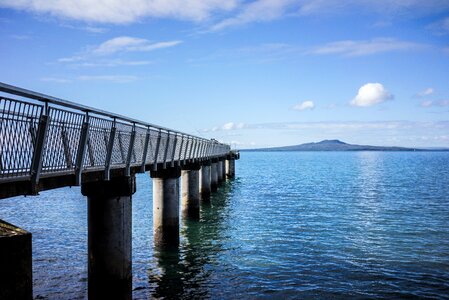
(114,63)
(21,37)
(437,103)
(440,27)
(95,55)
(110,78)
(427,92)
(55,79)
(130,44)
(91,29)
(223,14)
(368,47)
(349,125)
(256,11)
(123,11)
(106,78)
(388,8)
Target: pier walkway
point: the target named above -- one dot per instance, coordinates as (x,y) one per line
(48,143)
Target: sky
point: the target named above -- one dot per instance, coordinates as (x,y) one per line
(249,73)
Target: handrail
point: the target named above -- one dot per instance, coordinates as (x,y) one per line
(7,88)
(56,136)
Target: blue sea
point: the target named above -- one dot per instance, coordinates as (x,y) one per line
(291,225)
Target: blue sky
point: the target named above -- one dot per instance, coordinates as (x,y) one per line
(251,73)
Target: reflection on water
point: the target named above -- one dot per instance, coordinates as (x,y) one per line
(182,273)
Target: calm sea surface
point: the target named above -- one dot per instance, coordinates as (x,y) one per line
(291,225)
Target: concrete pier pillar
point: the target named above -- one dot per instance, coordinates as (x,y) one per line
(230,167)
(190,191)
(223,169)
(205,181)
(109,237)
(220,171)
(15,263)
(214,176)
(166,207)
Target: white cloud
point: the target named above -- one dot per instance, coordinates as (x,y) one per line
(130,44)
(119,45)
(371,94)
(361,48)
(227,127)
(111,78)
(114,63)
(401,8)
(304,105)
(123,11)
(427,103)
(426,92)
(227,12)
(440,103)
(55,79)
(441,27)
(232,126)
(257,11)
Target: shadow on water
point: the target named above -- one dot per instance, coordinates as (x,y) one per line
(183,273)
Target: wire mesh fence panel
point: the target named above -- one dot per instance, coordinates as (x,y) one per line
(61,145)
(162,147)
(121,143)
(97,144)
(171,142)
(151,152)
(139,144)
(177,154)
(18,129)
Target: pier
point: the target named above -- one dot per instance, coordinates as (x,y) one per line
(48,143)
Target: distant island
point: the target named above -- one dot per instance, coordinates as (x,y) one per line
(337,145)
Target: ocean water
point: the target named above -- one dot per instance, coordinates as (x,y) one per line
(329,225)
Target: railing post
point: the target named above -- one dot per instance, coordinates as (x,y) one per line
(107,163)
(84,137)
(164,166)
(203,149)
(180,149)
(36,164)
(193,150)
(174,150)
(145,150)
(158,144)
(130,151)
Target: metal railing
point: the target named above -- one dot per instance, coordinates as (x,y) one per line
(42,135)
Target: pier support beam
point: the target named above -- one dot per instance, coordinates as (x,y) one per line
(109,237)
(214,175)
(220,171)
(230,167)
(166,207)
(190,187)
(205,181)
(15,263)
(223,169)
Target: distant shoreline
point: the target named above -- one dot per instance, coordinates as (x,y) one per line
(337,145)
(354,150)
